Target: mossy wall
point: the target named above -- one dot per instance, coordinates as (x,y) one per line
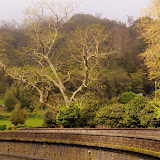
(59,144)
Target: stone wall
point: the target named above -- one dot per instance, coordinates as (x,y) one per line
(34,142)
(123,131)
(53,151)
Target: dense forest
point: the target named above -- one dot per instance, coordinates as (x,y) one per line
(123,70)
(87,70)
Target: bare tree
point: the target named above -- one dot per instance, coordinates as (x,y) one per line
(45,23)
(87,46)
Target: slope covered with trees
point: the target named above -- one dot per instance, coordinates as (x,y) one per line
(55,61)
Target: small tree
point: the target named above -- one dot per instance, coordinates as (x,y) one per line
(149,28)
(18,116)
(10,99)
(69,116)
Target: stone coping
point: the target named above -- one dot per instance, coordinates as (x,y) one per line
(134,131)
(155,138)
(42,128)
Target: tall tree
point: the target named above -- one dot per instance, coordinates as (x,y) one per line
(43,69)
(149,27)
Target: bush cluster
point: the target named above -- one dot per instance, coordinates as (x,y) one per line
(69,116)
(50,120)
(127,97)
(138,112)
(21,126)
(3,127)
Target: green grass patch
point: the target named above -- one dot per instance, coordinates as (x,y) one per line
(35,119)
(6,122)
(30,122)
(34,122)
(5,113)
(1,102)
(37,114)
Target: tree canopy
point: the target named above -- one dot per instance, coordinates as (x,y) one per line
(149,29)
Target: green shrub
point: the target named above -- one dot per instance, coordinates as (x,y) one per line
(88,114)
(139,113)
(156,123)
(127,97)
(111,115)
(18,116)
(10,99)
(10,128)
(21,126)
(20,95)
(69,116)
(4,116)
(3,127)
(50,120)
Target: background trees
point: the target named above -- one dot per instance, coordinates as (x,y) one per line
(22,60)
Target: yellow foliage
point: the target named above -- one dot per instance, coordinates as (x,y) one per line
(149,26)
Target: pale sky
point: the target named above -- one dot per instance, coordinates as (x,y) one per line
(111,9)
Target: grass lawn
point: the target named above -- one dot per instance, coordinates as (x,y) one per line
(1,101)
(6,122)
(5,113)
(35,119)
(30,122)
(34,122)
